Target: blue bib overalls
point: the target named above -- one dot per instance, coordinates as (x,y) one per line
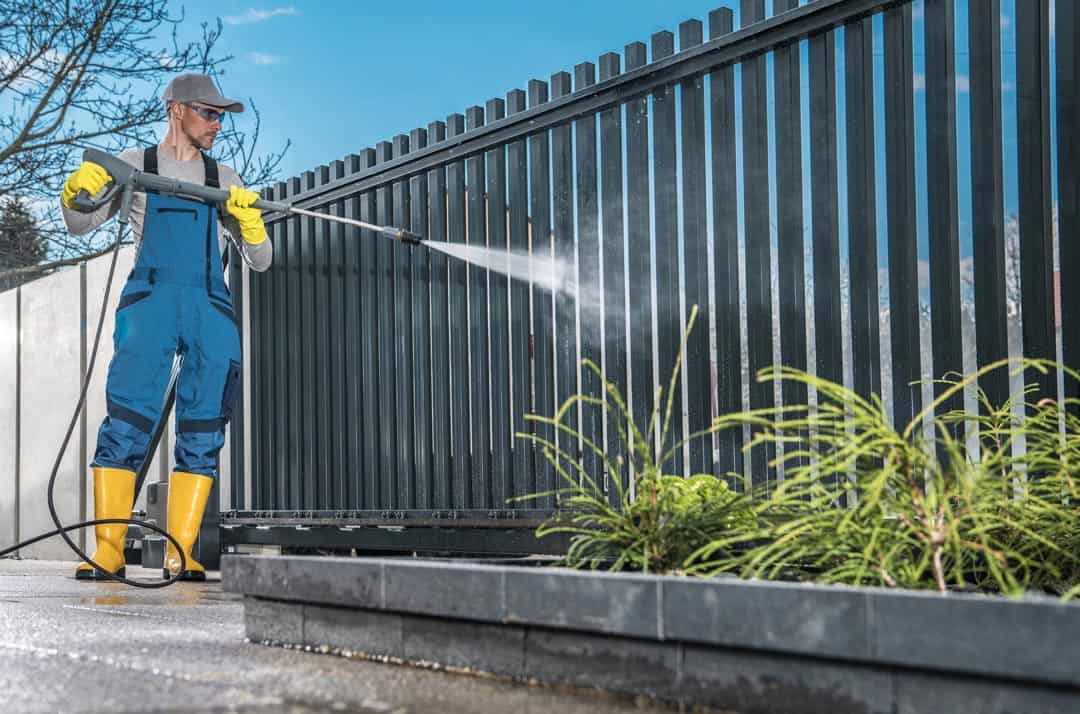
(175,301)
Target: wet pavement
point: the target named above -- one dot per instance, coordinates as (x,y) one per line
(69,646)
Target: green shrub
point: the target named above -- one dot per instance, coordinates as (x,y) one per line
(669,517)
(925,514)
(861,503)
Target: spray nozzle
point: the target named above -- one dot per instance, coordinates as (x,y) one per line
(407,236)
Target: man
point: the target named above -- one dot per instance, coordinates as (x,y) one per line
(175,301)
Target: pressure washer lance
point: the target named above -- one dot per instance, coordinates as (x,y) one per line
(127,178)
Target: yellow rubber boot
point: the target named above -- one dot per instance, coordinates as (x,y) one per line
(114,495)
(187,501)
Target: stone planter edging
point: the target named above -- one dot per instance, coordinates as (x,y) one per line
(1028,642)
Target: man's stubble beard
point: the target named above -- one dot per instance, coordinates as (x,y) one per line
(203,143)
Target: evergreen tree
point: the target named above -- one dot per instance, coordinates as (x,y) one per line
(21,242)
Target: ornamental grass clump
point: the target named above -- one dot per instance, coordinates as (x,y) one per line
(654,527)
(864,503)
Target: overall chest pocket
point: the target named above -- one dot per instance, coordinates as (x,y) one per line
(177,225)
(191,213)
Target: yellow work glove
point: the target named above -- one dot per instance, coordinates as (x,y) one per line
(239,207)
(89,177)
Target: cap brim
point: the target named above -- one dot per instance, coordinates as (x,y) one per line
(227,105)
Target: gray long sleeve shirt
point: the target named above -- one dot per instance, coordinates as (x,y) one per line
(258,257)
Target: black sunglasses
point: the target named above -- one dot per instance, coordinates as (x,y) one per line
(210,115)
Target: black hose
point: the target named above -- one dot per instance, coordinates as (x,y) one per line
(61,529)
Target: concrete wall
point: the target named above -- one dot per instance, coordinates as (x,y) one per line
(50,352)
(43,353)
(8,368)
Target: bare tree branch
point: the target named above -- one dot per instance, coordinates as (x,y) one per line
(90,73)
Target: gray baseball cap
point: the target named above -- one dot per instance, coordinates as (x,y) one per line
(193,87)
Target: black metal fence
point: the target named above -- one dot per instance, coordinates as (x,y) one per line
(387,381)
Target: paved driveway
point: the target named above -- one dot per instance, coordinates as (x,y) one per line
(68,646)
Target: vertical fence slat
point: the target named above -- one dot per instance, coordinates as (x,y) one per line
(1033,153)
(543,340)
(276,313)
(284,455)
(825,225)
(517,167)
(291,473)
(356,426)
(987,197)
(257,296)
(239,456)
(695,254)
(267,298)
(370,317)
(479,337)
(1068,162)
(498,305)
(900,189)
(321,418)
(669,319)
(758,238)
(726,252)
(638,244)
(306,418)
(420,272)
(384,315)
(562,187)
(611,186)
(790,222)
(440,331)
(590,313)
(337,379)
(948,346)
(459,326)
(401,255)
(861,207)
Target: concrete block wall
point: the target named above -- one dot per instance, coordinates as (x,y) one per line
(742,645)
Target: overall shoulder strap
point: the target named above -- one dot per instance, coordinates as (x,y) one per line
(211,171)
(149,160)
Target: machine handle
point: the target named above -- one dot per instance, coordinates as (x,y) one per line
(119,171)
(124,173)
(85,203)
